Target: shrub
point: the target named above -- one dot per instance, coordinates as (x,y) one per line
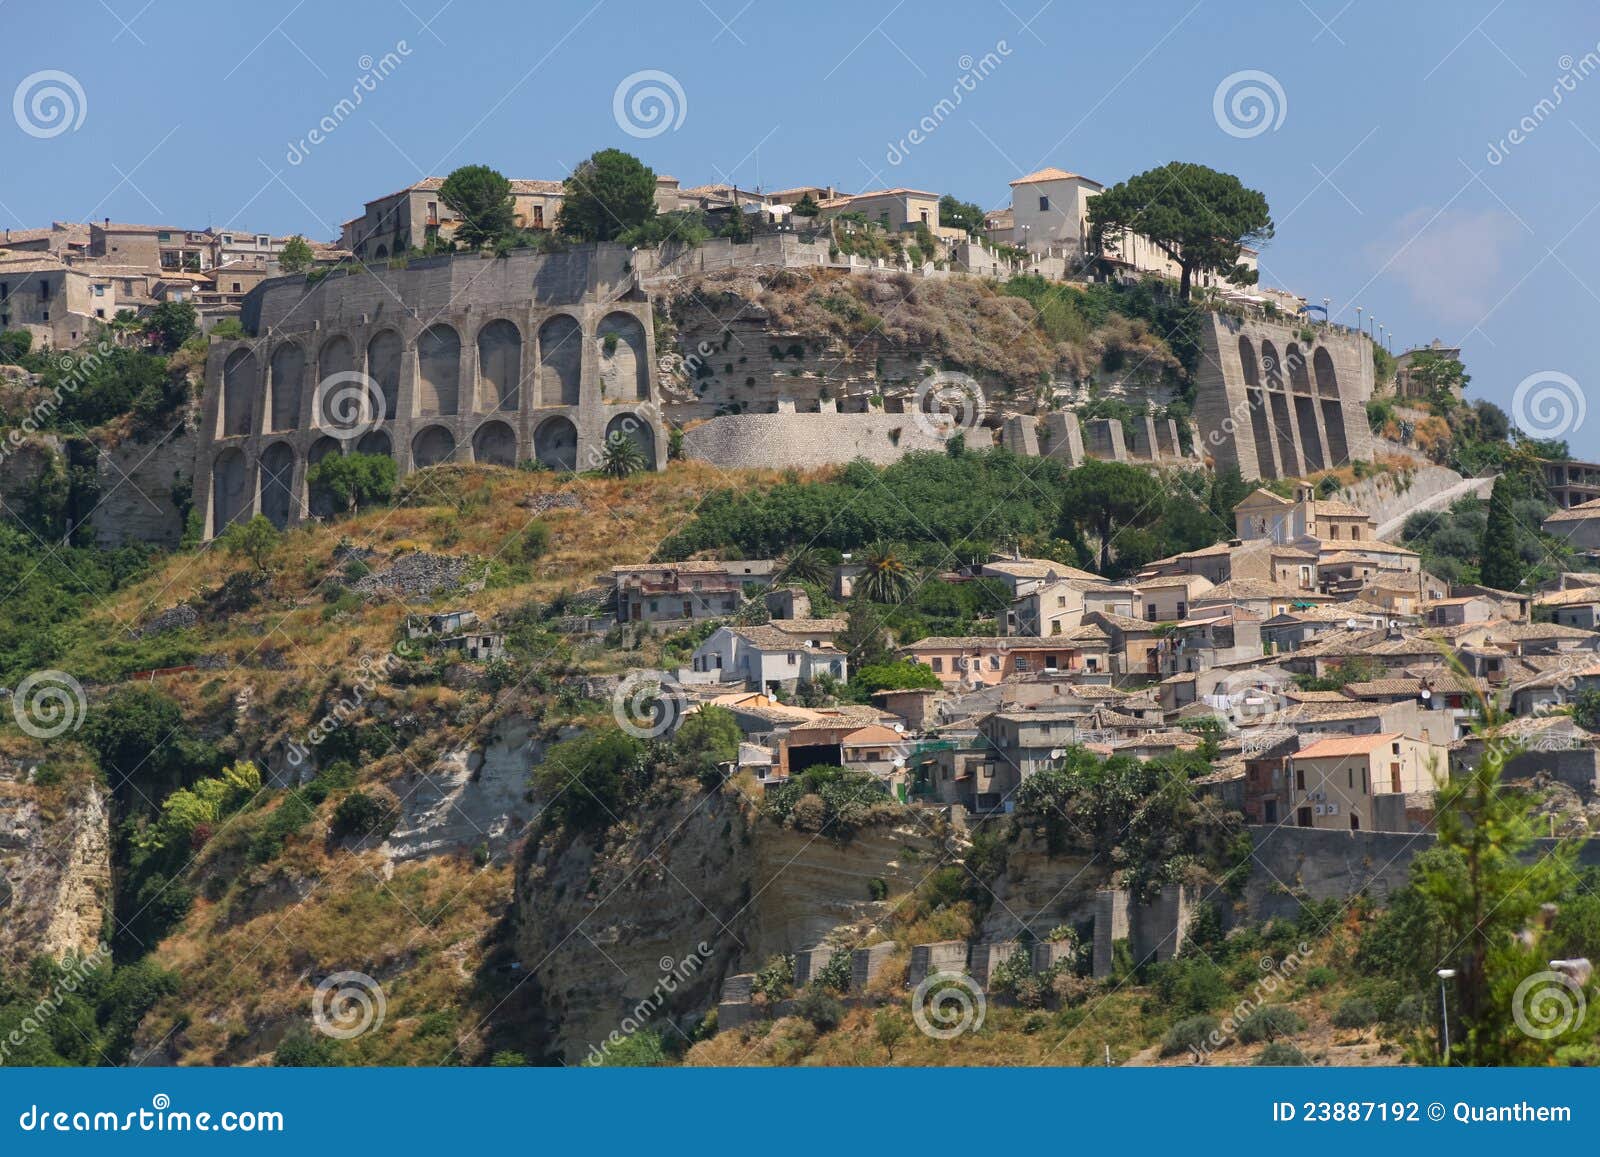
(878,888)
(1269,1022)
(1190,985)
(535,542)
(1320,977)
(834,975)
(776,979)
(1355,1013)
(358,814)
(823,1011)
(1191,1033)
(1280,1054)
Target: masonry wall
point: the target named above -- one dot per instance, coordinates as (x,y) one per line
(461,358)
(1276,405)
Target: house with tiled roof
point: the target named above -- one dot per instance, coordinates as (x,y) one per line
(1361,782)
(766,658)
(986,660)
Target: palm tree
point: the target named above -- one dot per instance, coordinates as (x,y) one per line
(805,566)
(622,456)
(887,578)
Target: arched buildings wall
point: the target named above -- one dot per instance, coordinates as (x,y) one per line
(1275,405)
(554,350)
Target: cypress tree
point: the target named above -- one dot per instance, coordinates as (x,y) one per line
(1501,565)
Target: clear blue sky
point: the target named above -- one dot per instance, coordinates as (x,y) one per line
(1378,174)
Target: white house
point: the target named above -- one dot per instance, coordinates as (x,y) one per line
(766,657)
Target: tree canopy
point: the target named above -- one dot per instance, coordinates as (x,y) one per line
(296,256)
(1198,217)
(954,214)
(607,195)
(481,197)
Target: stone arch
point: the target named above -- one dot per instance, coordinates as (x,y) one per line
(635,427)
(499,365)
(383,367)
(1247,359)
(288,376)
(238,392)
(431,446)
(1299,380)
(277,483)
(1271,366)
(320,502)
(494,444)
(230,489)
(625,366)
(439,366)
(375,442)
(335,362)
(560,361)
(1327,379)
(555,443)
(382,252)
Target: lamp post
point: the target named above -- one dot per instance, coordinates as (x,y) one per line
(1358,318)
(1445,974)
(1327,316)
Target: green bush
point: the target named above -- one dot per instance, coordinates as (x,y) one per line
(1191,1033)
(1319,977)
(1269,1022)
(358,814)
(823,1011)
(1280,1054)
(1355,1013)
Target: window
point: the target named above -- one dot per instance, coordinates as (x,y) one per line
(538,216)
(793,659)
(994,662)
(1181,608)
(264,241)
(1300,779)
(1150,612)
(1044,204)
(236,287)
(99,291)
(937,664)
(1094,664)
(227,238)
(1061,600)
(163,236)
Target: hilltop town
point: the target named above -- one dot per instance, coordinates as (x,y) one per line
(828,593)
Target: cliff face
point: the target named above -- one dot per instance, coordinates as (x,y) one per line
(55,866)
(696,890)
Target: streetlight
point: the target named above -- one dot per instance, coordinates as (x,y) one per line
(1445,974)
(1358,318)
(1327,317)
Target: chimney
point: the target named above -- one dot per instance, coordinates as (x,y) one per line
(107,222)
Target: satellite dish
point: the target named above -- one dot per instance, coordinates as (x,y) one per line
(1425,694)
(1056,753)
(899,727)
(1350,624)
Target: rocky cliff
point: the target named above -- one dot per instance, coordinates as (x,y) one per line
(698,889)
(55,864)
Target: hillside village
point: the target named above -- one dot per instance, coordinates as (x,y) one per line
(1248,553)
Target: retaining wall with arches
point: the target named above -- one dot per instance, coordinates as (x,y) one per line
(460,358)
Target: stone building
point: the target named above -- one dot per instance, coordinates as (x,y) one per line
(455,358)
(1277,405)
